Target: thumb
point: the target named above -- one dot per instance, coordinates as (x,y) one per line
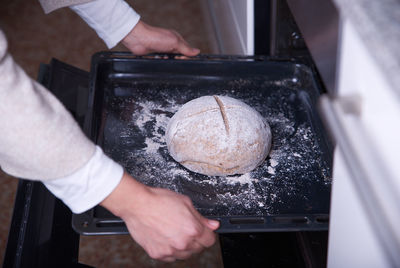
(211,224)
(186,49)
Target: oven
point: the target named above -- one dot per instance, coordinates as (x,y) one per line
(278,214)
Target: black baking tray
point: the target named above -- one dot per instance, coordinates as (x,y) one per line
(132,98)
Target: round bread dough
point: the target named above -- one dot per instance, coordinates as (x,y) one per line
(218,136)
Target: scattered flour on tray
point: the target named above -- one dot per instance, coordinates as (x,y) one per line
(144,116)
(243,179)
(152,146)
(257,191)
(274,163)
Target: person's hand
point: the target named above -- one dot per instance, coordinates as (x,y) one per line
(163,222)
(144,39)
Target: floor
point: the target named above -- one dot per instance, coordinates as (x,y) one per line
(35,38)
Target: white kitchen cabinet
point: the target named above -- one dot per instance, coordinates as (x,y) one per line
(365,119)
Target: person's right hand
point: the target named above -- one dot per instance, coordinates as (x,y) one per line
(144,39)
(163,222)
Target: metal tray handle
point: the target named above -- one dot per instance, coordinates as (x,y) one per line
(200,57)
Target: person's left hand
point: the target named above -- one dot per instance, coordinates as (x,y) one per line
(144,39)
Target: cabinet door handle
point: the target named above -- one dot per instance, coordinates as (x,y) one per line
(369,175)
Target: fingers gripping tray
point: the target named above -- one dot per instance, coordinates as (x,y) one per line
(132,99)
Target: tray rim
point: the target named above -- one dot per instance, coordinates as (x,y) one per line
(87,224)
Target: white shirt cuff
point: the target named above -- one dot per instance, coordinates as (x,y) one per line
(111,19)
(89,185)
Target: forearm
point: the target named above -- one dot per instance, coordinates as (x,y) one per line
(39,139)
(51,5)
(89,185)
(127,197)
(115,21)
(111,19)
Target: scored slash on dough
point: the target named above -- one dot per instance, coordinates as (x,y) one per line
(223,113)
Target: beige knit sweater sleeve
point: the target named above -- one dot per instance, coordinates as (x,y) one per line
(39,139)
(51,5)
